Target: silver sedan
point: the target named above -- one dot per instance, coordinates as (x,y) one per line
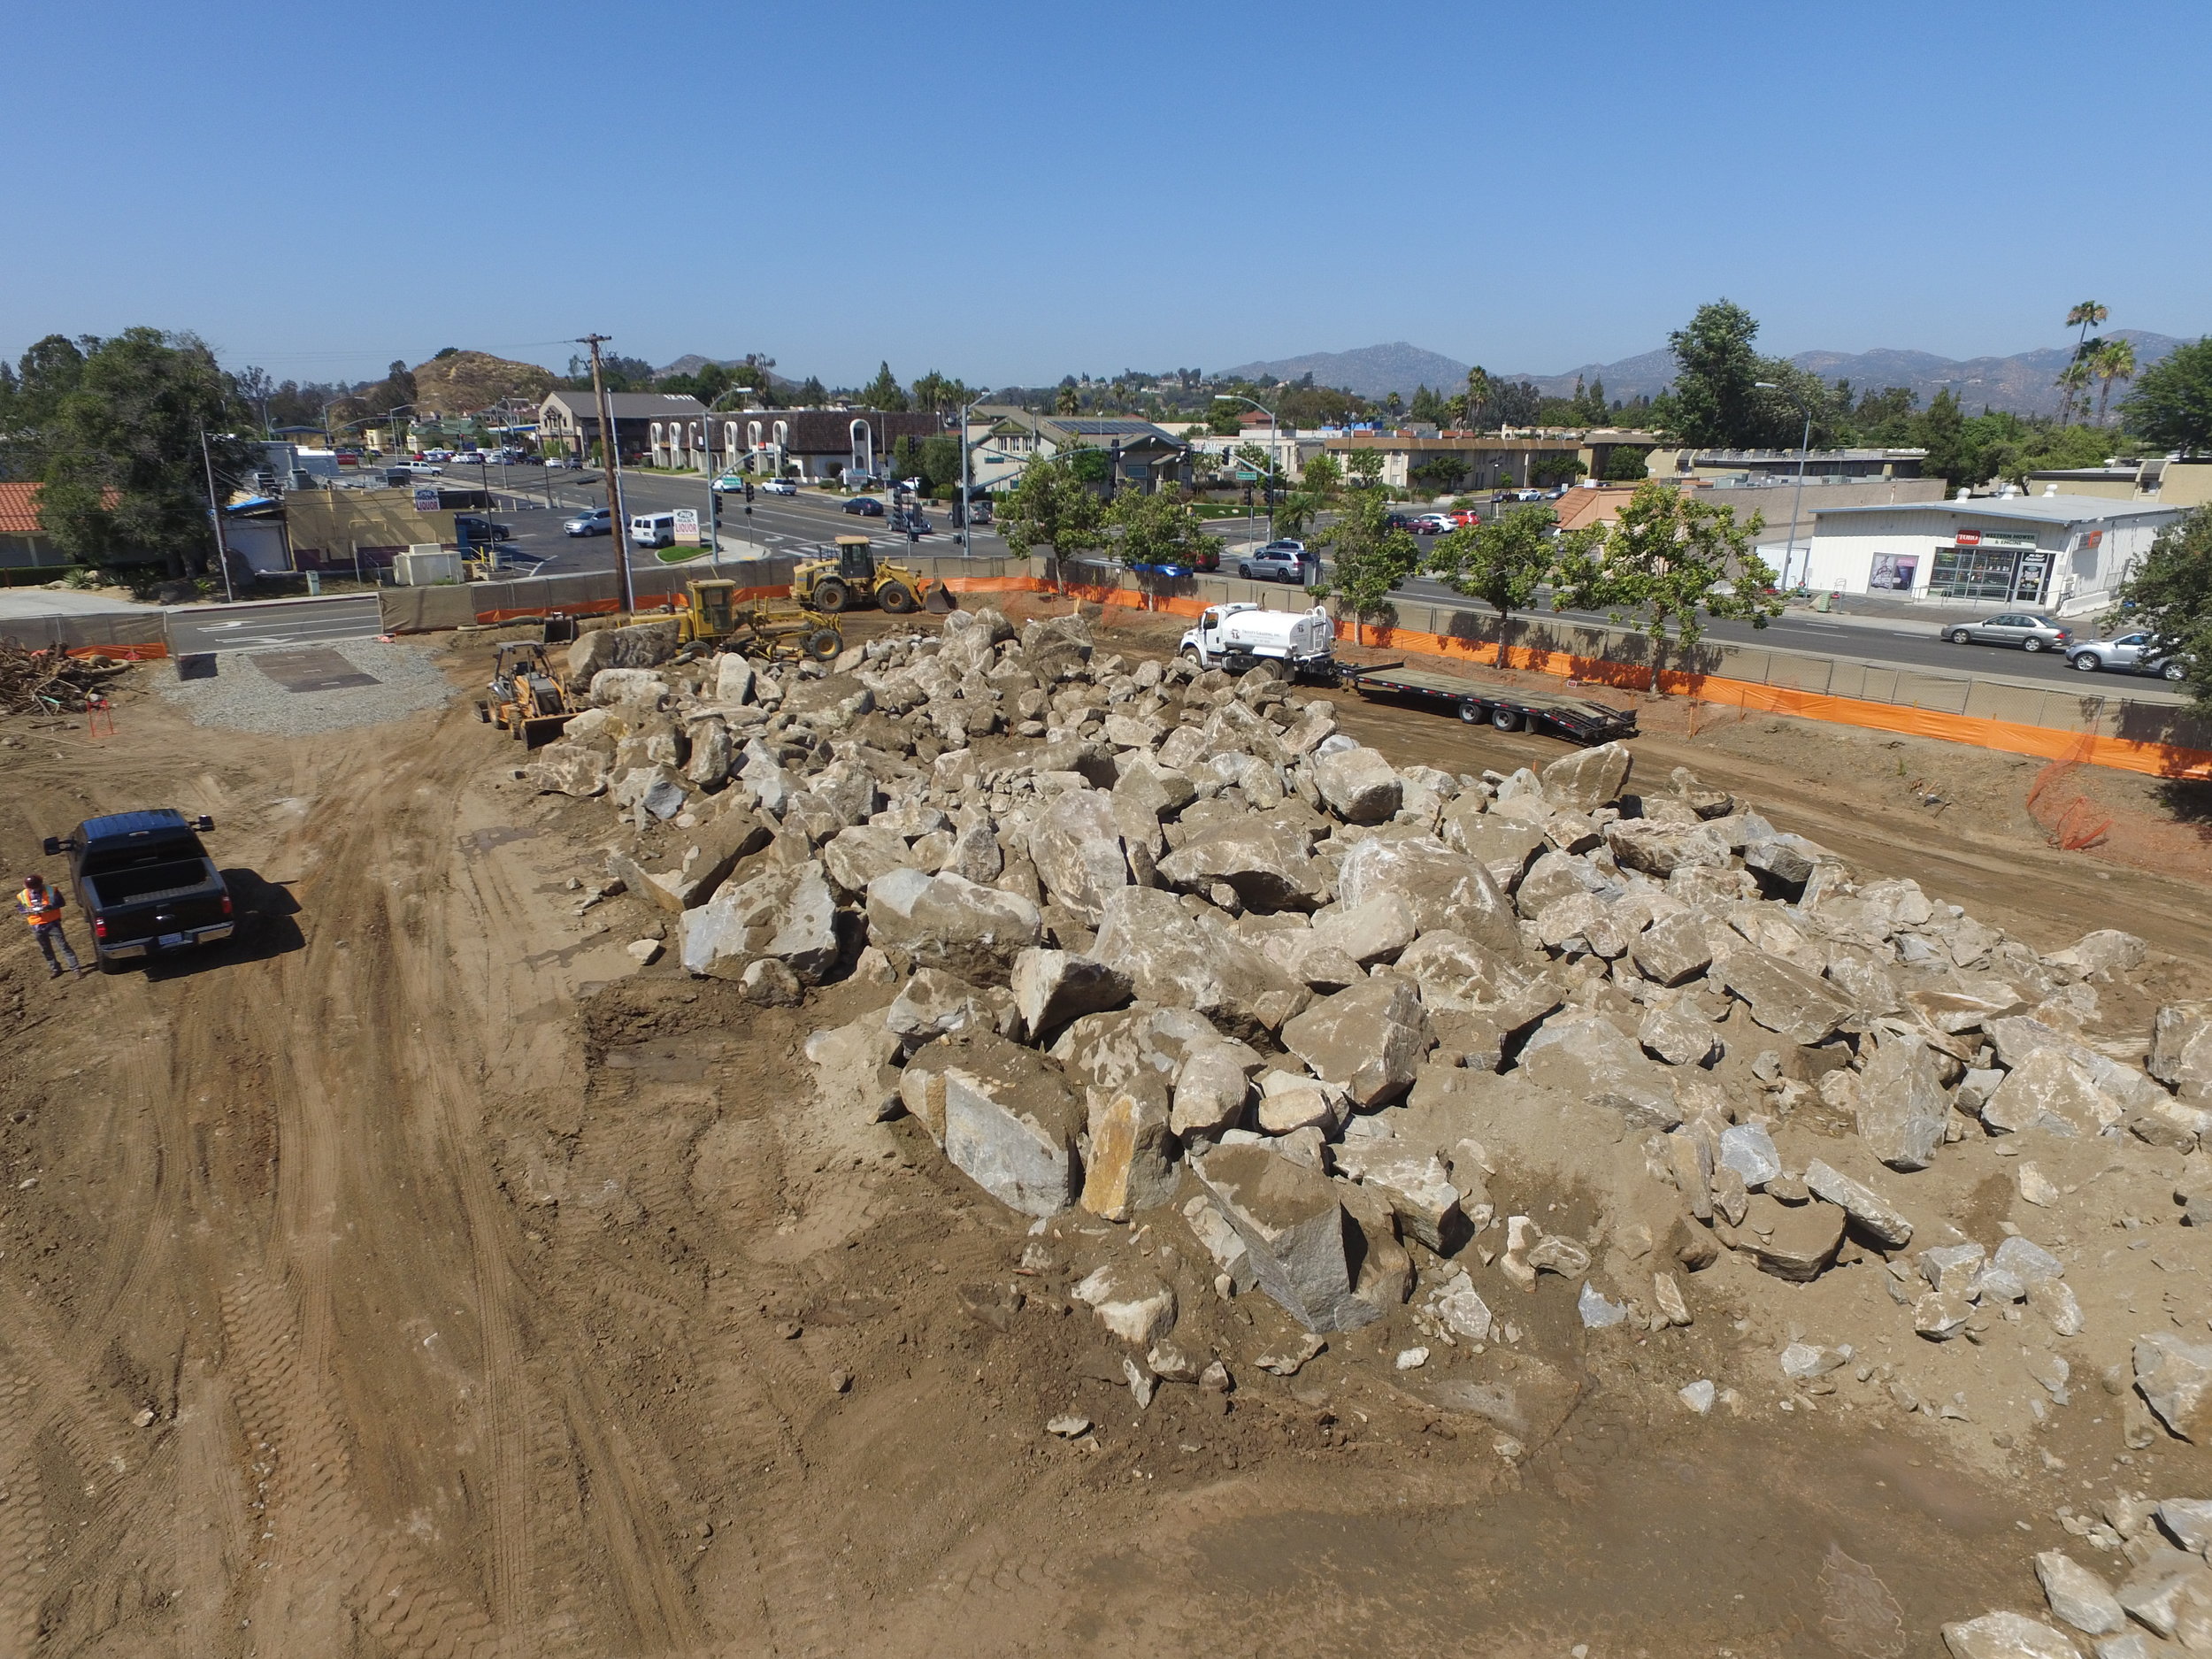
(2129,654)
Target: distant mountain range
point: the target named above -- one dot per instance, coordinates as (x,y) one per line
(2023,382)
(691,363)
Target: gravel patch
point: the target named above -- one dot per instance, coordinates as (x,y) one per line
(241,698)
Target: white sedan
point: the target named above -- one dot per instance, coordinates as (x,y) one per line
(780,487)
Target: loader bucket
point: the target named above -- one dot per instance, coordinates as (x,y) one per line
(940,599)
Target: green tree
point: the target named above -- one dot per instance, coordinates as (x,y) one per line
(1502,563)
(1441,474)
(1067,400)
(940,462)
(883,392)
(1715,394)
(1371,558)
(30,396)
(121,462)
(2171,404)
(1669,562)
(1626,464)
(934,393)
(1157,529)
(1320,482)
(812,393)
(1942,434)
(2168,595)
(1051,510)
(1428,408)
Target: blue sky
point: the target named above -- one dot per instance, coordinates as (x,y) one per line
(1009,193)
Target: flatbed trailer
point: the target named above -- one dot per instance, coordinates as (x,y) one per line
(1575,718)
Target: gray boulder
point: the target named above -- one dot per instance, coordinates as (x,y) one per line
(1880,1218)
(1902,1108)
(1182,961)
(1673,950)
(1078,851)
(1212,1089)
(2175,1379)
(1359,785)
(1267,864)
(1132,1162)
(2181,1048)
(1591,779)
(947,921)
(1052,987)
(1782,996)
(1011,1123)
(1584,1054)
(934,1003)
(1443,889)
(641,645)
(858,853)
(573,769)
(1293,1228)
(1368,1041)
(1502,846)
(787,913)
(1661,850)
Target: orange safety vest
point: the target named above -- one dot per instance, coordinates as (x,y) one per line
(39,908)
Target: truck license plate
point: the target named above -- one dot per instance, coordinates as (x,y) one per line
(169,941)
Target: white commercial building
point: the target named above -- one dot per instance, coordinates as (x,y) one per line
(2061,553)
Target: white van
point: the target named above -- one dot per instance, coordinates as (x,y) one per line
(653,529)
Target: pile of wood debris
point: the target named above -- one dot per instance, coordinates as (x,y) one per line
(50,681)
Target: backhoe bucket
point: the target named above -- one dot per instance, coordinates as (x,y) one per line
(940,599)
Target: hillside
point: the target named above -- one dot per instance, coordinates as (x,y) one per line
(2022,382)
(470,381)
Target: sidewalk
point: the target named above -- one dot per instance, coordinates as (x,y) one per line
(20,604)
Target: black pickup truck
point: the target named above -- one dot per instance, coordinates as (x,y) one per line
(145,883)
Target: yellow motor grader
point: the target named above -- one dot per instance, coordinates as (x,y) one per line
(712,618)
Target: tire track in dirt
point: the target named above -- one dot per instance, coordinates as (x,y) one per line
(22,1516)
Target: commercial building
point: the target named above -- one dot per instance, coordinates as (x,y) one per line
(816,444)
(2066,554)
(1830,466)
(2168,481)
(1444,462)
(1004,439)
(568,422)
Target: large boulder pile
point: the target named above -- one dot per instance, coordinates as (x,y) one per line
(1157,942)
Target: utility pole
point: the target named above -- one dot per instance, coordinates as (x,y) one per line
(612,455)
(967,494)
(215,516)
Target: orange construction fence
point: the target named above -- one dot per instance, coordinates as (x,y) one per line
(2160,760)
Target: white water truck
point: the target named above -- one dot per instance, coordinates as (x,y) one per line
(1296,644)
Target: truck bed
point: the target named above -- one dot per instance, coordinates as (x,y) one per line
(1578,719)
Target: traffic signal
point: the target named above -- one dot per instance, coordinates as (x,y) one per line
(748,493)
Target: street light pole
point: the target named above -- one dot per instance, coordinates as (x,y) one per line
(1274,441)
(1797,495)
(967,493)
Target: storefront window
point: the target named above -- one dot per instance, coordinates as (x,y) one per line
(1973,572)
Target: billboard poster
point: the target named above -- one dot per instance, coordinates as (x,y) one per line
(687,526)
(1893,572)
(426,500)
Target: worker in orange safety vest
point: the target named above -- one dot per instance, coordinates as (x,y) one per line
(41,906)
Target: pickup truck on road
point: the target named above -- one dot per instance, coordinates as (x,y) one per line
(145,883)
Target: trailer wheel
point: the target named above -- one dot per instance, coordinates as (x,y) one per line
(1471,711)
(1505,720)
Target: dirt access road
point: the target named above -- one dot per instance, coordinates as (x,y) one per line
(416,1279)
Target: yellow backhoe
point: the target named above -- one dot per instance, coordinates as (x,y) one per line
(527,701)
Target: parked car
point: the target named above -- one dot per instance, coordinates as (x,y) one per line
(436,455)
(1465,517)
(653,529)
(145,883)
(1529,495)
(1283,561)
(1432,524)
(867,506)
(781,486)
(2027,629)
(1398,521)
(553,462)
(2130,654)
(423,469)
(592,521)
(476,528)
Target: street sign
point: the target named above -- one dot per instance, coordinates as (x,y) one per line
(729,483)
(687,526)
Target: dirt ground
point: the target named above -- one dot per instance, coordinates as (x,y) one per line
(417,1276)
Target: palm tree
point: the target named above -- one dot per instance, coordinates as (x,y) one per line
(2085,315)
(2073,381)
(2114,361)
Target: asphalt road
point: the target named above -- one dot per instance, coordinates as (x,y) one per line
(283,623)
(778,524)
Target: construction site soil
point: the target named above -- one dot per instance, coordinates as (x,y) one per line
(419,1275)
